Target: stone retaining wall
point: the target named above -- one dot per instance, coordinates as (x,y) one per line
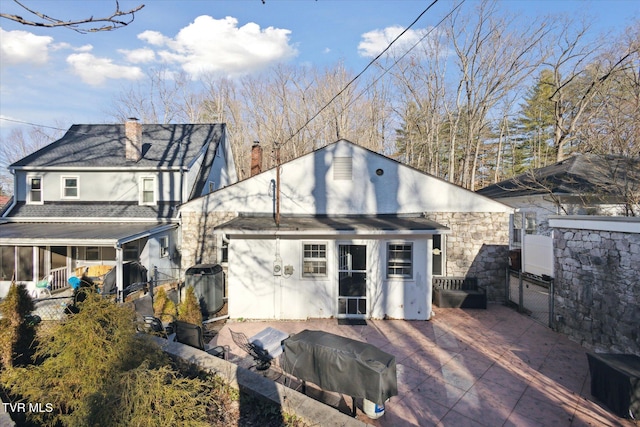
(597,289)
(309,410)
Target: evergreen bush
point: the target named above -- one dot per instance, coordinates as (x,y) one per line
(189,309)
(163,307)
(96,370)
(16,335)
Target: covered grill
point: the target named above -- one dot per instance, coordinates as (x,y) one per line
(340,364)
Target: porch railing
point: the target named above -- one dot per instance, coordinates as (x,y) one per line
(60,276)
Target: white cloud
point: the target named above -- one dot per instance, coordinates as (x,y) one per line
(154,37)
(138,56)
(84,48)
(20,47)
(374,42)
(95,71)
(209,45)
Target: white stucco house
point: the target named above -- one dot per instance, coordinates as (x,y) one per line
(350,233)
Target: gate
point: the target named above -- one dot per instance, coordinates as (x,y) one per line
(532,294)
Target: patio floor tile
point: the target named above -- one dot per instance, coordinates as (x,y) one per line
(493,367)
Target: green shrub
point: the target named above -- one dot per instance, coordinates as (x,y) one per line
(95,370)
(163,307)
(16,336)
(189,308)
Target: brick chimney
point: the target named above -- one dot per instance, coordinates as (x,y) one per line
(133,139)
(256,158)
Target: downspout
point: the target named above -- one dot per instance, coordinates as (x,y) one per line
(119,273)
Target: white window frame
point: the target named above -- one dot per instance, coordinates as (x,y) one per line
(30,200)
(142,191)
(390,260)
(63,187)
(315,259)
(163,241)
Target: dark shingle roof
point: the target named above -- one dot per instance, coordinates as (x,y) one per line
(71,232)
(103,146)
(125,210)
(293,224)
(582,174)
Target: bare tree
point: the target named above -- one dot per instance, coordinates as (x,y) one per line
(614,114)
(117,19)
(165,97)
(580,74)
(18,144)
(492,59)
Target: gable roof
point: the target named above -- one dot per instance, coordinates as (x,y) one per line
(582,174)
(310,185)
(103,146)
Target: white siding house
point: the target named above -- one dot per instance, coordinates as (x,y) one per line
(359,235)
(105,195)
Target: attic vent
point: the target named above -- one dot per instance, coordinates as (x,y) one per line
(342,168)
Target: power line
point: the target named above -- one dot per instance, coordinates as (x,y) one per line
(31,124)
(361,72)
(386,70)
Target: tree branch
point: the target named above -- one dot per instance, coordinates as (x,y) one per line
(111,22)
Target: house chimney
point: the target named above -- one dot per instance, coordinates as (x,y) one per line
(133,139)
(256,158)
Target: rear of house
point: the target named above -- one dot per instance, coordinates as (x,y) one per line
(344,232)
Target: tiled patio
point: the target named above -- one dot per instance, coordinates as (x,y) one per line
(491,367)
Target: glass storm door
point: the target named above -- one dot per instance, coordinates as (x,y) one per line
(352,280)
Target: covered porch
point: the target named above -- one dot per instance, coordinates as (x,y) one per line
(34,252)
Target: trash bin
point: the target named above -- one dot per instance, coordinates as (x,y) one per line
(208,283)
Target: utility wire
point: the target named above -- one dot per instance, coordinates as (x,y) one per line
(386,70)
(37,125)
(361,72)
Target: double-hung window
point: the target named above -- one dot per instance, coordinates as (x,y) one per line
(35,189)
(400,260)
(314,259)
(70,187)
(147,191)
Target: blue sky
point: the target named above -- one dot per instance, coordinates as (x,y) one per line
(57,77)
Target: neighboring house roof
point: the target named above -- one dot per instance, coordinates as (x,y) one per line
(582,174)
(120,210)
(75,233)
(358,224)
(103,146)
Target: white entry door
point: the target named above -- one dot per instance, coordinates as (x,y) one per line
(352,281)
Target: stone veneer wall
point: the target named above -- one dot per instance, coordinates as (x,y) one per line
(199,245)
(597,290)
(478,245)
